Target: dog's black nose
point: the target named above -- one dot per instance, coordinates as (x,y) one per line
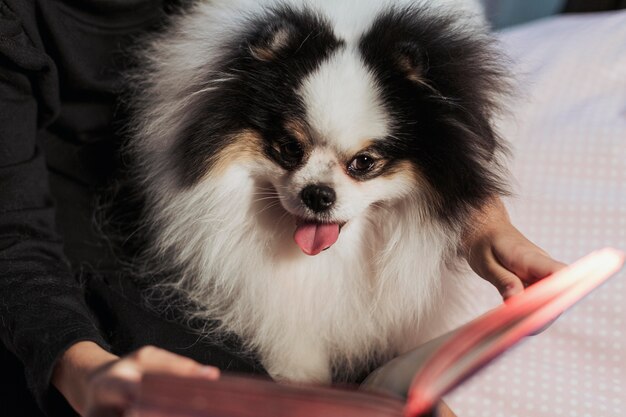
(318,197)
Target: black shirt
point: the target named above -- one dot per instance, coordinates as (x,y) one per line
(60,66)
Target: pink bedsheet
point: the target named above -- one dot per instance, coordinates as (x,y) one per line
(568,136)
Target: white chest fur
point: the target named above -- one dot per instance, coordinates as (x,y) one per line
(384,287)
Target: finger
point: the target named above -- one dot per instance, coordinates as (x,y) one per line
(525,259)
(506,282)
(113,389)
(153,359)
(111,399)
(544,327)
(541,266)
(116,386)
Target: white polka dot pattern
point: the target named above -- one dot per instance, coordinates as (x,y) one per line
(569,144)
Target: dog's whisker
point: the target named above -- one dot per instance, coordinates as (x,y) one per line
(280,220)
(268,207)
(272,198)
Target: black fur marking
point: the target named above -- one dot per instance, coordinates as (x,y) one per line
(260,94)
(444,120)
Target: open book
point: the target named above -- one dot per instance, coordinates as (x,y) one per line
(409,385)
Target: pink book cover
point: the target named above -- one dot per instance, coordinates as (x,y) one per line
(409,385)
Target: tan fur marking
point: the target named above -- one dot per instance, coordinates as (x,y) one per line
(246,145)
(363,146)
(268,51)
(412,72)
(404,168)
(411,172)
(299,131)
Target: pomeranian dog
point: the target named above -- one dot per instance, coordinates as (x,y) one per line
(308,168)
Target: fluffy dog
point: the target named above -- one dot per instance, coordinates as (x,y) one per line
(308,168)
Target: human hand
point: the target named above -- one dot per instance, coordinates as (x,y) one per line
(502,255)
(99,384)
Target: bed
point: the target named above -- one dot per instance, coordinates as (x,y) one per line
(567,131)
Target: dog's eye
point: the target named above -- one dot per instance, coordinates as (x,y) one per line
(361,164)
(291,152)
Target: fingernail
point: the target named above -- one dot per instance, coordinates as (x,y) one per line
(509,291)
(209,372)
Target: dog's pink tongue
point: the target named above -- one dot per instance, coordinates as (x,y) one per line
(315,237)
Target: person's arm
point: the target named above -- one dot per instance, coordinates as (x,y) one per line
(502,255)
(44,320)
(42,310)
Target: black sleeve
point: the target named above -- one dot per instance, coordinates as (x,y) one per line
(42,308)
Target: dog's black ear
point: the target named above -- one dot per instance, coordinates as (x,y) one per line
(271,39)
(411,60)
